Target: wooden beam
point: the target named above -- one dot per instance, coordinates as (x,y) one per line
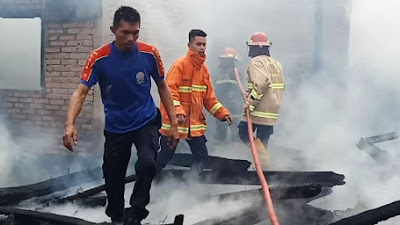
(372,216)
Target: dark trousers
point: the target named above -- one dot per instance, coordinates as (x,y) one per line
(222,129)
(263,132)
(117,152)
(197,146)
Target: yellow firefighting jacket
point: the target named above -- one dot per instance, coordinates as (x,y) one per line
(191,89)
(265,89)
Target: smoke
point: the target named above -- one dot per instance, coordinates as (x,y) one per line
(323,115)
(328,114)
(7,157)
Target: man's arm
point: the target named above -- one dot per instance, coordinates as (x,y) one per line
(212,104)
(74,108)
(166,99)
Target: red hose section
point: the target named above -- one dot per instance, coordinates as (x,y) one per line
(261,176)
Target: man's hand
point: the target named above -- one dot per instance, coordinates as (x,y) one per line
(70,137)
(181,119)
(228,119)
(247,104)
(173,136)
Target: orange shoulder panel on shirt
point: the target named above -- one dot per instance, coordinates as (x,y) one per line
(151,49)
(97,54)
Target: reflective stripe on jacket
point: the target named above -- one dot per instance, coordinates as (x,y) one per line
(191,89)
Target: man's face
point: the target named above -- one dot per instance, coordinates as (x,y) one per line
(126,34)
(198,44)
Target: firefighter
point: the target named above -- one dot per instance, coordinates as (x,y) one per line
(227,91)
(191,88)
(265,89)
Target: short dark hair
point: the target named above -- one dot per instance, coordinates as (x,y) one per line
(196,32)
(127,14)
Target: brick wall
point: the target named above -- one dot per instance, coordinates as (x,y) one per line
(45,111)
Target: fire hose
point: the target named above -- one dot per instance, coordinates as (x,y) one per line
(267,195)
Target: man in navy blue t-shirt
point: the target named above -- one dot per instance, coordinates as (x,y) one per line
(124,69)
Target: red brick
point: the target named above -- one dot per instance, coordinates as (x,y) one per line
(69,61)
(59,91)
(70,86)
(80,31)
(71,74)
(53,62)
(84,37)
(69,49)
(58,56)
(60,68)
(78,55)
(84,49)
(53,85)
(81,62)
(71,91)
(67,38)
(53,74)
(53,38)
(49,68)
(58,97)
(57,43)
(76,68)
(53,49)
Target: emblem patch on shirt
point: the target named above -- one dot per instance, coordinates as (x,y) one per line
(140,79)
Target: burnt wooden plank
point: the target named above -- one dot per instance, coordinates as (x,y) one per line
(30,217)
(325,179)
(372,216)
(277,192)
(80,197)
(214,163)
(25,217)
(13,195)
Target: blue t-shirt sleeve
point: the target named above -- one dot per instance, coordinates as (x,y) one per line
(89,75)
(157,68)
